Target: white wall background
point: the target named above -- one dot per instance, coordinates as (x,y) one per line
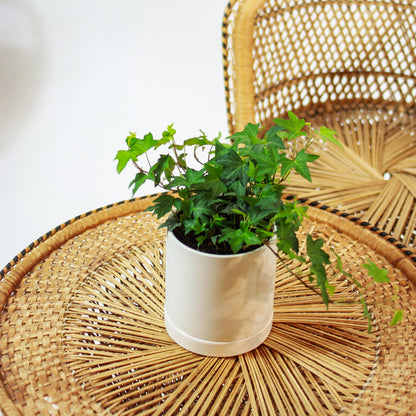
(75,77)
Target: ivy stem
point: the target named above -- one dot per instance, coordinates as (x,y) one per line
(136,165)
(310,138)
(148,160)
(196,157)
(344,302)
(291,271)
(178,164)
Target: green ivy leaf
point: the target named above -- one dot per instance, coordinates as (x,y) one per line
(138,181)
(238,188)
(211,182)
(131,138)
(171,222)
(220,149)
(264,164)
(292,213)
(234,168)
(194,225)
(201,210)
(329,135)
(252,130)
(287,166)
(366,314)
(236,238)
(248,135)
(136,148)
(164,165)
(269,198)
(256,215)
(273,138)
(293,125)
(300,163)
(177,182)
(187,207)
(162,205)
(331,289)
(233,238)
(286,237)
(215,187)
(142,146)
(253,170)
(167,136)
(379,275)
(199,141)
(193,177)
(123,157)
(318,259)
(267,160)
(397,317)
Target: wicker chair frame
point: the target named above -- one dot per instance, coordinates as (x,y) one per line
(348,65)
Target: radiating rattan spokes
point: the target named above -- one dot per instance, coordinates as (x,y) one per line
(121,353)
(348,65)
(373,176)
(82,331)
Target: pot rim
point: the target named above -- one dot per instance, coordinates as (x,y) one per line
(212,255)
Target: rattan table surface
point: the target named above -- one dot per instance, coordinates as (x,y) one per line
(82,333)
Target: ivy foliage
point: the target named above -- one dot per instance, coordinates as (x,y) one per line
(229,193)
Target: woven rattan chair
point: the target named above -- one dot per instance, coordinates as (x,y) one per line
(348,65)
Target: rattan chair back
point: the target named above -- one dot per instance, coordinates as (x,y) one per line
(348,65)
(282,55)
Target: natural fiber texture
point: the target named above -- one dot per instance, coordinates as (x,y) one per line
(282,55)
(82,331)
(374,176)
(348,65)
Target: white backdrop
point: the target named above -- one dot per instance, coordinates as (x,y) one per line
(75,77)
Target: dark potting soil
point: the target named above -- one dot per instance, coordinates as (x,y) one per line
(207,246)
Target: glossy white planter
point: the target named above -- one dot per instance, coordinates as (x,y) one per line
(218,305)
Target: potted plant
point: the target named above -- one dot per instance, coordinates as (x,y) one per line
(228,222)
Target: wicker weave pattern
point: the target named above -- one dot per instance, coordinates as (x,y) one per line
(129,291)
(282,55)
(348,65)
(82,332)
(374,175)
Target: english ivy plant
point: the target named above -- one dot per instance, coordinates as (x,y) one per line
(231,199)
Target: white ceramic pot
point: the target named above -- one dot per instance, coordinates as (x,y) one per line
(218,305)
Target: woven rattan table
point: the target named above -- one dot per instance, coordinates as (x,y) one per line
(82,333)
